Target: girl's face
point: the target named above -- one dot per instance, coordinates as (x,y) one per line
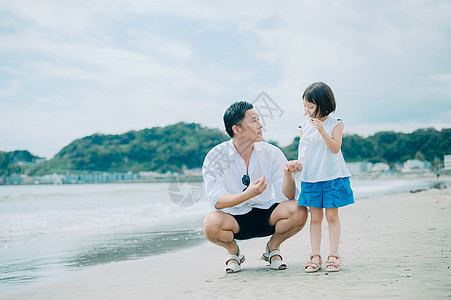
(309,109)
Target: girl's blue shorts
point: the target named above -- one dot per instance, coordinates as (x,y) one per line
(324,194)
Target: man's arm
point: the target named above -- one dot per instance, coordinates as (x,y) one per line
(229,200)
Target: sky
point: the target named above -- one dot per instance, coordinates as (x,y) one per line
(69,69)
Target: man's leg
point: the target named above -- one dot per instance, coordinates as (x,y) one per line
(289,218)
(219,228)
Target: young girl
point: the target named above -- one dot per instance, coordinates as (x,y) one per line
(324,176)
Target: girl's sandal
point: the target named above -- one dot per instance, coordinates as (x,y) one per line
(312,267)
(333,265)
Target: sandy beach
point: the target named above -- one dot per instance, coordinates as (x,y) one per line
(397,246)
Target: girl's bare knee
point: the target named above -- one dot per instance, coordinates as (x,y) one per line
(316,219)
(332,216)
(316,215)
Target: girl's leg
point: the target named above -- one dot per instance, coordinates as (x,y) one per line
(334,230)
(316,220)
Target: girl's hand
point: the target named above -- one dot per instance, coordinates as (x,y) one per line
(292,166)
(317,124)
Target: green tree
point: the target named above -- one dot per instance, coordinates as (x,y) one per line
(419,156)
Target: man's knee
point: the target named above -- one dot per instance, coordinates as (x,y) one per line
(212,224)
(294,214)
(298,213)
(301,216)
(216,222)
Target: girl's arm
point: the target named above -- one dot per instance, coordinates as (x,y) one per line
(334,142)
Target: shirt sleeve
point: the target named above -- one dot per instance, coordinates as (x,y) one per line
(213,174)
(278,174)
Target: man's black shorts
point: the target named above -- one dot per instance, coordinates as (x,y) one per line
(255,223)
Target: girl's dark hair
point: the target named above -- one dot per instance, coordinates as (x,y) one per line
(235,114)
(320,94)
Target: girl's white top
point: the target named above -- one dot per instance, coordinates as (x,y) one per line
(318,162)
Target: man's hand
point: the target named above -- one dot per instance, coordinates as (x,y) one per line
(292,166)
(254,189)
(257,187)
(289,185)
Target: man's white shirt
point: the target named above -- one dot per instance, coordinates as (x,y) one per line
(224,168)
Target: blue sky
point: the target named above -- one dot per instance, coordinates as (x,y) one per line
(69,69)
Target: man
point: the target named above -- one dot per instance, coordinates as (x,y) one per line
(248,183)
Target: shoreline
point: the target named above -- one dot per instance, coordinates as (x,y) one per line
(194,178)
(394,246)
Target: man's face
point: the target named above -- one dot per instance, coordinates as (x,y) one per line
(250,127)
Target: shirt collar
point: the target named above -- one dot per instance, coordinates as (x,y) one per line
(232,150)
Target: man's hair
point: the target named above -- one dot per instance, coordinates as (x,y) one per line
(235,114)
(320,94)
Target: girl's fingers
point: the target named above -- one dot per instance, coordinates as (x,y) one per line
(293,166)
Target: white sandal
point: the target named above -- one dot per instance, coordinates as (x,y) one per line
(234,267)
(275,264)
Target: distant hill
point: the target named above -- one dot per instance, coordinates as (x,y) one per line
(390,147)
(15,162)
(184,145)
(159,149)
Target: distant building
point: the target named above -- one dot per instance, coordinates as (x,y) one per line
(14,179)
(397,167)
(380,168)
(52,179)
(193,172)
(96,177)
(415,165)
(150,175)
(359,167)
(447,159)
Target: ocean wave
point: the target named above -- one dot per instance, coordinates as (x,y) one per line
(100,220)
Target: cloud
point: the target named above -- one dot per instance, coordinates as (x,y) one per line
(113,66)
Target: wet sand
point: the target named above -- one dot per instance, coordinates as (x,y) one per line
(395,246)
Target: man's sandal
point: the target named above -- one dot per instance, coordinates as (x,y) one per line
(312,267)
(333,265)
(274,264)
(236,266)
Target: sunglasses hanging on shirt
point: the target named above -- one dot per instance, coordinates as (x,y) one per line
(246,180)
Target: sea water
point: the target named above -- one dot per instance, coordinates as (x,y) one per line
(365,189)
(50,230)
